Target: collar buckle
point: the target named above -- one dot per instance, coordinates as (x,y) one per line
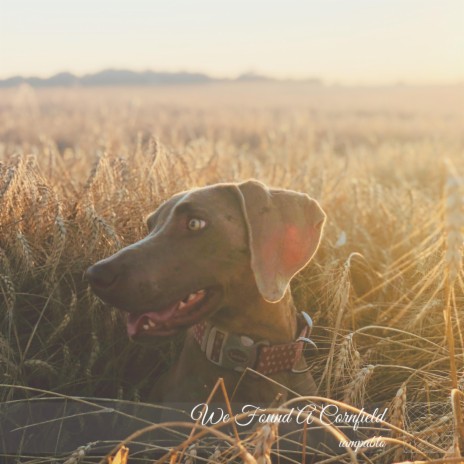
(229,350)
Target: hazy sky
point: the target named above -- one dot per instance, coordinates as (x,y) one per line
(337,40)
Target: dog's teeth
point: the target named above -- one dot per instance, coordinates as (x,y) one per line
(201,292)
(191,296)
(145,326)
(151,323)
(182,305)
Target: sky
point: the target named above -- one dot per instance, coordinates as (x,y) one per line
(345,41)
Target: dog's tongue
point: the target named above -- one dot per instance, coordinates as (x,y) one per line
(135,321)
(154,322)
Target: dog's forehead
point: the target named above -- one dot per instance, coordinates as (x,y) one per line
(216,197)
(209,196)
(166,206)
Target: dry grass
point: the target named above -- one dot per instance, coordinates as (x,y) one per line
(81,168)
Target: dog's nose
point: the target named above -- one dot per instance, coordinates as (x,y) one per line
(101,276)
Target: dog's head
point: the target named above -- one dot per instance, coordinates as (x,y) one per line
(206,249)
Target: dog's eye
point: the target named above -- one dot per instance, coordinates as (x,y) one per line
(196,224)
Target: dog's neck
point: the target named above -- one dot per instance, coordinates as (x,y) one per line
(259,319)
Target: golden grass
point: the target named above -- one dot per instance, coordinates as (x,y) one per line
(81,168)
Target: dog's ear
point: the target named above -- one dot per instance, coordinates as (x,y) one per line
(284,230)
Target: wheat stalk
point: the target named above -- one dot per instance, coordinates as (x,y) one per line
(215,456)
(247,458)
(66,319)
(397,410)
(25,251)
(264,440)
(453,261)
(9,294)
(339,305)
(79,454)
(94,353)
(356,389)
(347,360)
(191,454)
(42,366)
(458,436)
(454,222)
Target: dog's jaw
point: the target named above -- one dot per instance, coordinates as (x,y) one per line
(175,317)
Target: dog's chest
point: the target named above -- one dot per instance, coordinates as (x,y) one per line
(193,378)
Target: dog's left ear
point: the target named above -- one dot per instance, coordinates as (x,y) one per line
(284,230)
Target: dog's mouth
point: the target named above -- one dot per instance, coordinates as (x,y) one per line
(175,317)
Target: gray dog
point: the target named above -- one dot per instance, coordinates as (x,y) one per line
(217,262)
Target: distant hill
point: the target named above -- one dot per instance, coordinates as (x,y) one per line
(109,77)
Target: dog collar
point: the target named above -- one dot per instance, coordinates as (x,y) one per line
(237,352)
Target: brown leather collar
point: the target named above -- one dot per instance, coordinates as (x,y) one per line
(237,352)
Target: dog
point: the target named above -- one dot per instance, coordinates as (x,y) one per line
(217,263)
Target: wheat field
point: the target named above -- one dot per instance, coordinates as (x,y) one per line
(81,168)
